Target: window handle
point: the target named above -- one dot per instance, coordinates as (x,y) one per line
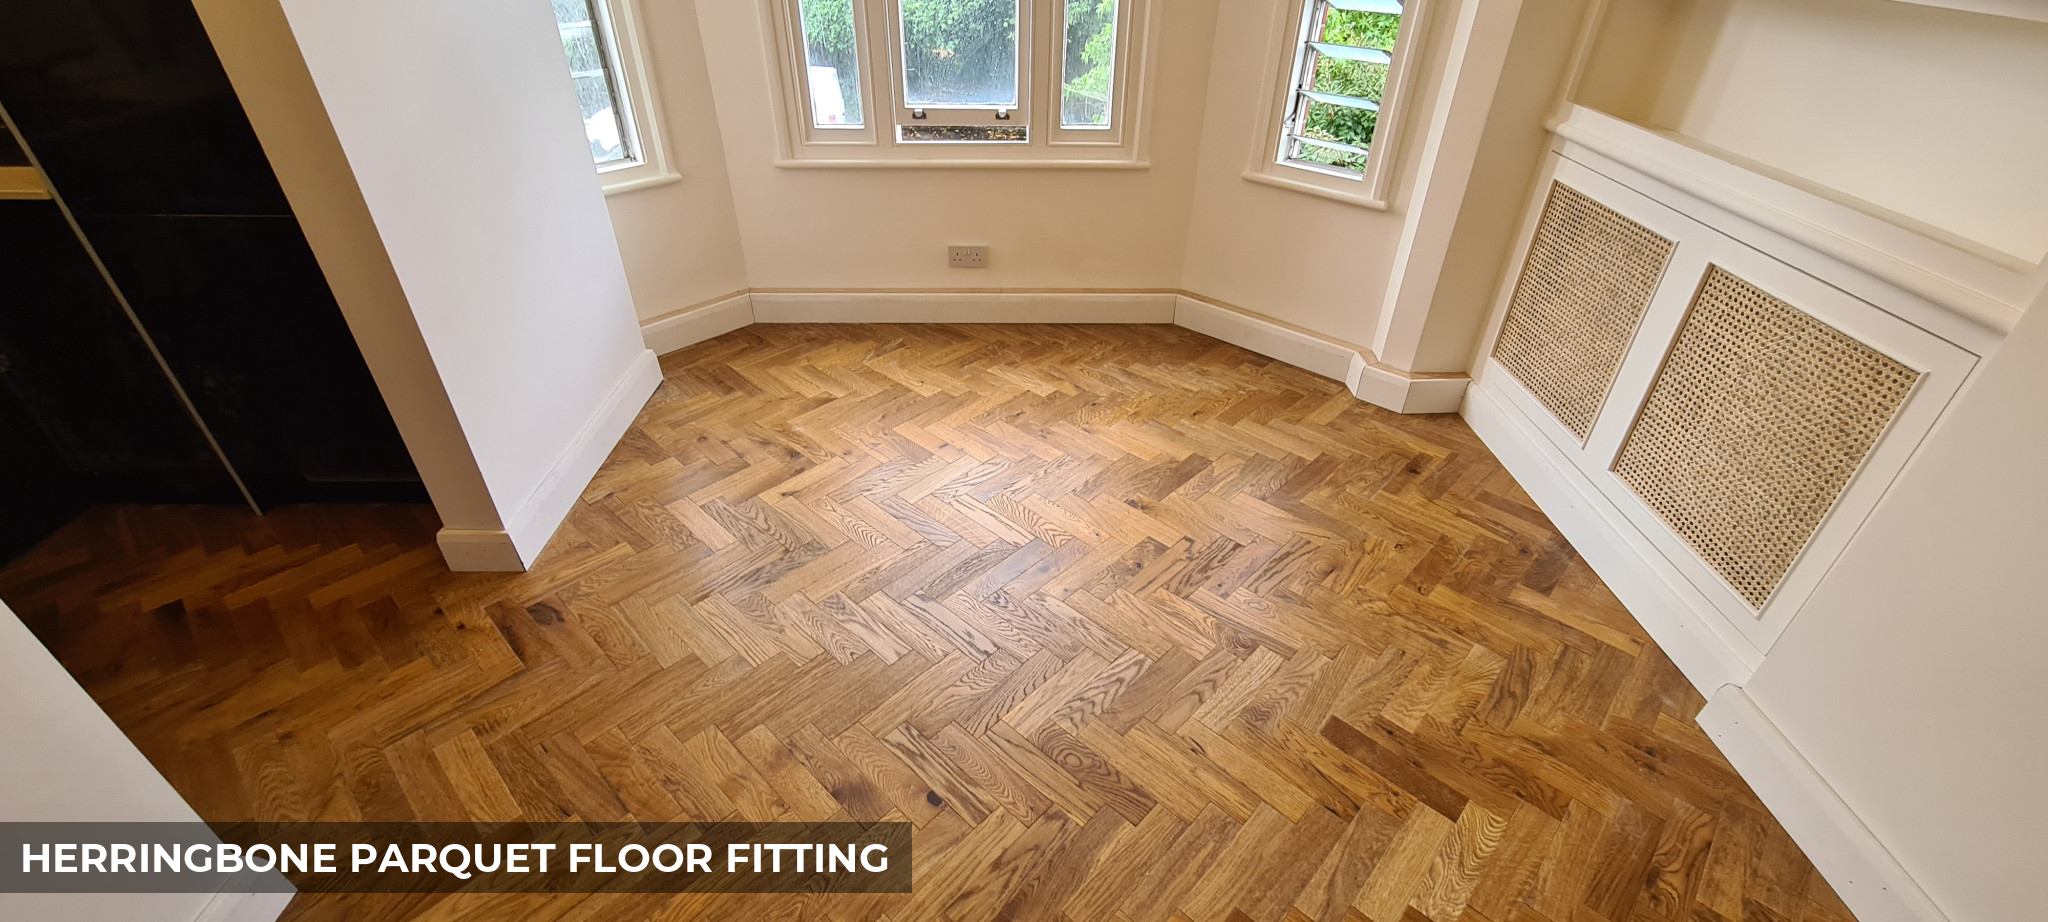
(917,113)
(1002,115)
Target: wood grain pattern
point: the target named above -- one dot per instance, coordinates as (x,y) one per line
(1131,624)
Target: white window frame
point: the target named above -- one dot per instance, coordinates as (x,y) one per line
(1287,63)
(625,48)
(1041,58)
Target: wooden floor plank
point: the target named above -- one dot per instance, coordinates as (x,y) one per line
(1129,623)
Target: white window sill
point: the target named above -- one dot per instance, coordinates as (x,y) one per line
(958,163)
(640,182)
(1315,189)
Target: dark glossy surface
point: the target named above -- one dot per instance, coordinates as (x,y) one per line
(126,106)
(84,376)
(10,152)
(241,311)
(27,516)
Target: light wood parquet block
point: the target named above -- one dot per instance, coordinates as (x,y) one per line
(1130,624)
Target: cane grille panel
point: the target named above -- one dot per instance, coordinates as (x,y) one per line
(1588,277)
(1753,427)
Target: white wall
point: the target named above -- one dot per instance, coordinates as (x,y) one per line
(681,241)
(451,202)
(881,228)
(256,48)
(1939,115)
(64,761)
(1912,681)
(1315,263)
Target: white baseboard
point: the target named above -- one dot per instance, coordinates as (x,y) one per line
(244,907)
(1371,382)
(1267,337)
(1673,612)
(1339,361)
(1401,392)
(529,528)
(1859,868)
(697,323)
(963,306)
(479,550)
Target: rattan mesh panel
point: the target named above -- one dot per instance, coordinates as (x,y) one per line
(1588,277)
(1753,427)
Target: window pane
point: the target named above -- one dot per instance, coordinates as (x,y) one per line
(1348,127)
(834,62)
(1090,63)
(597,92)
(960,52)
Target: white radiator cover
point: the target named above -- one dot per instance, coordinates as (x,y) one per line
(1724,411)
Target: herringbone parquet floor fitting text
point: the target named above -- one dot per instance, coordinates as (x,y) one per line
(1134,626)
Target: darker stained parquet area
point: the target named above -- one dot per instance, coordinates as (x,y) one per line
(1135,626)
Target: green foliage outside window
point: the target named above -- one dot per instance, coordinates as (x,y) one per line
(828,36)
(1348,78)
(1090,62)
(960,51)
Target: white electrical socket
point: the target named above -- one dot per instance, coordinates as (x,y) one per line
(967,257)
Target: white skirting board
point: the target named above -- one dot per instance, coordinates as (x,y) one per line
(1863,873)
(244,907)
(529,527)
(1369,381)
(1662,602)
(963,306)
(695,324)
(1273,340)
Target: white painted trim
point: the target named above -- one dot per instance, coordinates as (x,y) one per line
(1472,75)
(244,907)
(1862,872)
(536,519)
(963,306)
(1845,242)
(801,145)
(633,67)
(1082,163)
(1266,337)
(698,322)
(1308,188)
(479,550)
(2030,10)
(1286,35)
(1367,379)
(1401,392)
(645,182)
(1678,617)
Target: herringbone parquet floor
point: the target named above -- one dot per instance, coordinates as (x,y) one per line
(1133,625)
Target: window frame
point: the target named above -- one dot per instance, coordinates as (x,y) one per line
(1041,64)
(625,48)
(1288,66)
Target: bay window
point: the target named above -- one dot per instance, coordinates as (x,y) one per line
(904,82)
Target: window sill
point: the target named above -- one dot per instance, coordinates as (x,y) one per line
(957,163)
(641,182)
(1297,185)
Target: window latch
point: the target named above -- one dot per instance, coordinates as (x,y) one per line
(917,113)
(1002,115)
